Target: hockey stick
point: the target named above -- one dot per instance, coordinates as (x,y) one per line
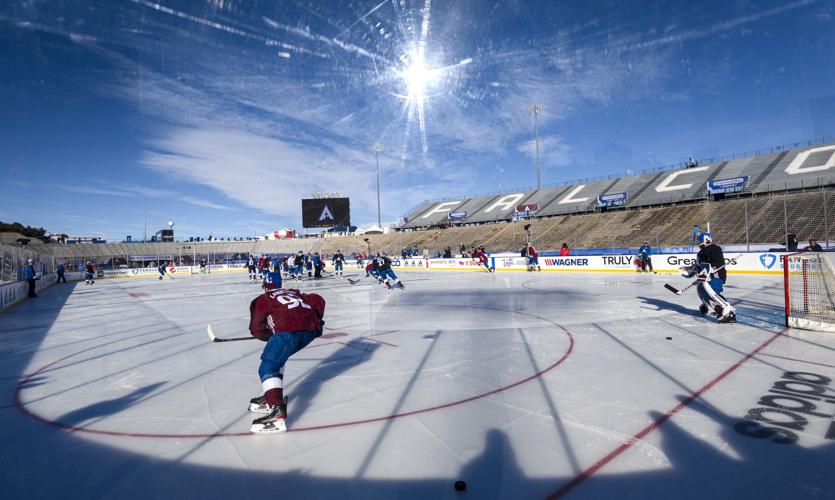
(679,292)
(215,338)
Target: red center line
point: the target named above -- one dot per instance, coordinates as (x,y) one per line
(566,488)
(800,360)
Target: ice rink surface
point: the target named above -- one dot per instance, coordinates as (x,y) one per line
(523,385)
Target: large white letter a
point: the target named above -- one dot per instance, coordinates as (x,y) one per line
(326,214)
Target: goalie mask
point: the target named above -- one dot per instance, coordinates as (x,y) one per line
(705,239)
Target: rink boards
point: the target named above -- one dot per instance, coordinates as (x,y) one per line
(759,263)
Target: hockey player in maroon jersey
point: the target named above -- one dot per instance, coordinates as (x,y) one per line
(533,258)
(482,258)
(263,264)
(287,320)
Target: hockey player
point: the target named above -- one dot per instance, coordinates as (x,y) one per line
(645,254)
(272,280)
(338,261)
(533,258)
(299,265)
(383,266)
(308,264)
(287,320)
(251,265)
(161,269)
(263,265)
(89,273)
(709,270)
(371,270)
(482,258)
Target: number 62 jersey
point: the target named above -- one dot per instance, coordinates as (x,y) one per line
(283,310)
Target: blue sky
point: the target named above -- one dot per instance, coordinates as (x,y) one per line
(222,114)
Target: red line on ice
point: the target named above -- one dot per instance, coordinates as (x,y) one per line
(567,487)
(23,409)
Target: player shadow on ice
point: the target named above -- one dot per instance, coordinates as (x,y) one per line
(28,334)
(496,472)
(757,467)
(102,409)
(302,392)
(664,305)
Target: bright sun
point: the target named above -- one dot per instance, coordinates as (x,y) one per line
(417,77)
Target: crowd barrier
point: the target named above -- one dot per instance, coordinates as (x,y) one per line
(12,293)
(760,263)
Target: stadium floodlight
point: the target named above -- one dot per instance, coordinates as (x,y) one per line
(535,110)
(376,148)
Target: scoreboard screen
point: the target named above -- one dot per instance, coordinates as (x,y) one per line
(326,212)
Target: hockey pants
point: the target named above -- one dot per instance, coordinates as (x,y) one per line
(278,350)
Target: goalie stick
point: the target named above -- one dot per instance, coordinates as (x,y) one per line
(679,292)
(215,338)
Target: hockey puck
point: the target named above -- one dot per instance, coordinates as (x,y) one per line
(669,338)
(460,486)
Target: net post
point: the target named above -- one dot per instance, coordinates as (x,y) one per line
(786,286)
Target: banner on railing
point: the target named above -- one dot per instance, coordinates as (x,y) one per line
(733,185)
(612,199)
(456,216)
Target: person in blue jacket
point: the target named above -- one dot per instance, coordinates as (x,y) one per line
(645,254)
(30,276)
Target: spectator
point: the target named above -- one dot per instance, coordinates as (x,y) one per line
(564,250)
(813,246)
(30,276)
(61,270)
(694,235)
(447,253)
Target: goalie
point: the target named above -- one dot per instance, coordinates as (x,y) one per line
(709,270)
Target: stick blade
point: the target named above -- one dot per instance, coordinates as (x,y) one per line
(211,334)
(672,288)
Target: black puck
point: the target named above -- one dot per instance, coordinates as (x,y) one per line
(669,338)
(460,486)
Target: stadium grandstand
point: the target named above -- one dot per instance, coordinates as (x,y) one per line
(779,193)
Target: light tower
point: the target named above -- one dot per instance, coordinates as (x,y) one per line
(535,110)
(376,148)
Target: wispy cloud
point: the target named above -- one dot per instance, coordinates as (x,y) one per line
(553,150)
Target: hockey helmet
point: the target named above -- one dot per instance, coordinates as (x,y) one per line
(705,239)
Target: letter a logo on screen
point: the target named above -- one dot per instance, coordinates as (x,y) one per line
(326,214)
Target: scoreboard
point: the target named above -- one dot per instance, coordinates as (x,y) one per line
(326,212)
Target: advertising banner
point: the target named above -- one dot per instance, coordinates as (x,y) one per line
(456,216)
(733,185)
(612,199)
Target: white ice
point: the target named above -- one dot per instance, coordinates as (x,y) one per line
(524,385)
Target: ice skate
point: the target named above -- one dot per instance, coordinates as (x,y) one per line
(729,317)
(274,421)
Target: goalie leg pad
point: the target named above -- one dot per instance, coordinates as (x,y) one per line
(709,292)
